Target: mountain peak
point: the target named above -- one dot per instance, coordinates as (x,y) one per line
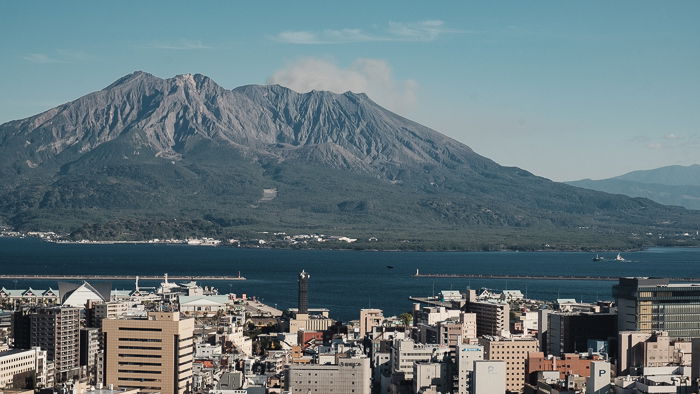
(129,78)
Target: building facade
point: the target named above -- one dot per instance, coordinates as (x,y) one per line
(57,330)
(649,305)
(514,352)
(153,354)
(348,376)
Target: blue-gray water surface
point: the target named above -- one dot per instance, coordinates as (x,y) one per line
(343,281)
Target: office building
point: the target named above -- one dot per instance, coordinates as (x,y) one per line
(431,377)
(651,304)
(153,354)
(569,332)
(23,369)
(514,352)
(348,376)
(57,330)
(405,352)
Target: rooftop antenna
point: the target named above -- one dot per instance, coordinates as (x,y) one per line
(433,288)
(137,283)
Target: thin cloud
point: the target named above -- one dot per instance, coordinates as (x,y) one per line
(672,136)
(181,45)
(61,56)
(371,76)
(41,58)
(655,146)
(423,31)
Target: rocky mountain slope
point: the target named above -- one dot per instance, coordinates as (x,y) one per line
(151,157)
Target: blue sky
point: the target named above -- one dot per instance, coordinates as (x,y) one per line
(566,90)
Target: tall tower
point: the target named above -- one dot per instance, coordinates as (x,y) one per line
(303,293)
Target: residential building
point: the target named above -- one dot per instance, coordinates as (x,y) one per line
(57,330)
(492,318)
(153,354)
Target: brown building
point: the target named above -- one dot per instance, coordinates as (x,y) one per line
(514,352)
(153,354)
(57,330)
(568,364)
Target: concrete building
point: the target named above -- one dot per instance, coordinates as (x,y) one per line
(431,377)
(653,380)
(492,318)
(110,310)
(153,354)
(637,350)
(569,332)
(89,350)
(567,364)
(514,352)
(489,377)
(21,369)
(348,376)
(57,330)
(405,352)
(648,305)
(370,318)
(464,359)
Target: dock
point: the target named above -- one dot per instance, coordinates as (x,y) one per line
(123,277)
(536,277)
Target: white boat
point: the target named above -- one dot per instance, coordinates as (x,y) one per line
(619,258)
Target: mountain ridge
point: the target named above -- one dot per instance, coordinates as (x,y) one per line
(185,147)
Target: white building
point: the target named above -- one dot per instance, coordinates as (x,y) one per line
(204,305)
(17,361)
(349,376)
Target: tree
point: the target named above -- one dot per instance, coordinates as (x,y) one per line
(406,319)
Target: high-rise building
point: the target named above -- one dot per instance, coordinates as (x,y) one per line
(57,330)
(89,351)
(465,357)
(303,306)
(492,318)
(514,352)
(153,354)
(652,304)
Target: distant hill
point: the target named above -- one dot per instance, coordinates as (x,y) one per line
(148,157)
(671,185)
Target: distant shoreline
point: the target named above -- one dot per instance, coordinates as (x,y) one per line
(183,243)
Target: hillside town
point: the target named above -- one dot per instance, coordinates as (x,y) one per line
(185,338)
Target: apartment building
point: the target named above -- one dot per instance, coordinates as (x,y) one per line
(514,351)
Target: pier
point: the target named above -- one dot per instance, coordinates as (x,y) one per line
(123,277)
(535,277)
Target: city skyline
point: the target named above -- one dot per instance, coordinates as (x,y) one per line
(610,91)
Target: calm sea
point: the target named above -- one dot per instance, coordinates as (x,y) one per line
(343,281)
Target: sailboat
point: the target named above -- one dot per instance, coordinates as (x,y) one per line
(598,258)
(619,258)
